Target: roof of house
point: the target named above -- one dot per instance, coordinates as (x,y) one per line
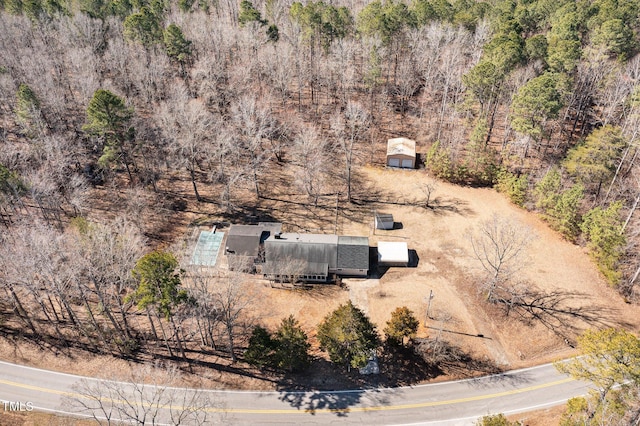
(401,146)
(341,252)
(245,230)
(285,252)
(304,238)
(353,253)
(393,252)
(271,227)
(245,240)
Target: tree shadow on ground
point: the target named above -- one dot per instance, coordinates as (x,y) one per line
(441,206)
(453,360)
(565,313)
(44,343)
(406,366)
(368,194)
(326,387)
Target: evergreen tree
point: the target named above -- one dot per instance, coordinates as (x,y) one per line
(27,108)
(10,183)
(496,420)
(261,348)
(291,346)
(143,26)
(402,325)
(385,20)
(485,82)
(273,34)
(537,101)
(595,160)
(159,283)
(108,118)
(564,216)
(176,45)
(160,289)
(321,23)
(611,361)
(560,208)
(564,44)
(603,230)
(248,13)
(348,336)
(514,186)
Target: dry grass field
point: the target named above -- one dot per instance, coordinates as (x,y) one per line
(448,268)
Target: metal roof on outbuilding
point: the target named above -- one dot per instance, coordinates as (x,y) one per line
(401,146)
(393,252)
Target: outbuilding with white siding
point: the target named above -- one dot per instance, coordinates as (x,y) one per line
(393,253)
(401,152)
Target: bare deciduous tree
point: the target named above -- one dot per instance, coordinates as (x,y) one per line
(146,396)
(500,245)
(254,123)
(188,125)
(428,189)
(309,153)
(231,302)
(350,128)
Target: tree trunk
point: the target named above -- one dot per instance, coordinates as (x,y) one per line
(615,175)
(178,338)
(193,182)
(633,209)
(153,327)
(164,336)
(231,345)
(107,311)
(22,312)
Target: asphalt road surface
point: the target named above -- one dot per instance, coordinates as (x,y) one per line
(449,403)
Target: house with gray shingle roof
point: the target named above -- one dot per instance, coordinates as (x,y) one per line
(314,257)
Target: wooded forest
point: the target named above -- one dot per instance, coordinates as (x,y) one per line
(111,111)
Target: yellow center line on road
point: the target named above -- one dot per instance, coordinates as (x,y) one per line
(310,410)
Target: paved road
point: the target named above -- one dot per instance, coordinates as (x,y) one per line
(450,403)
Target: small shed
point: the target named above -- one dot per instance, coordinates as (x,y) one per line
(383,220)
(393,253)
(401,152)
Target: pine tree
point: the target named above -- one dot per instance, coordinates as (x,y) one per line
(261,348)
(176,45)
(603,230)
(611,361)
(108,118)
(595,160)
(402,325)
(291,346)
(348,336)
(27,109)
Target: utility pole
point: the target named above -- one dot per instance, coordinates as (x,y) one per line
(336,224)
(431,296)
